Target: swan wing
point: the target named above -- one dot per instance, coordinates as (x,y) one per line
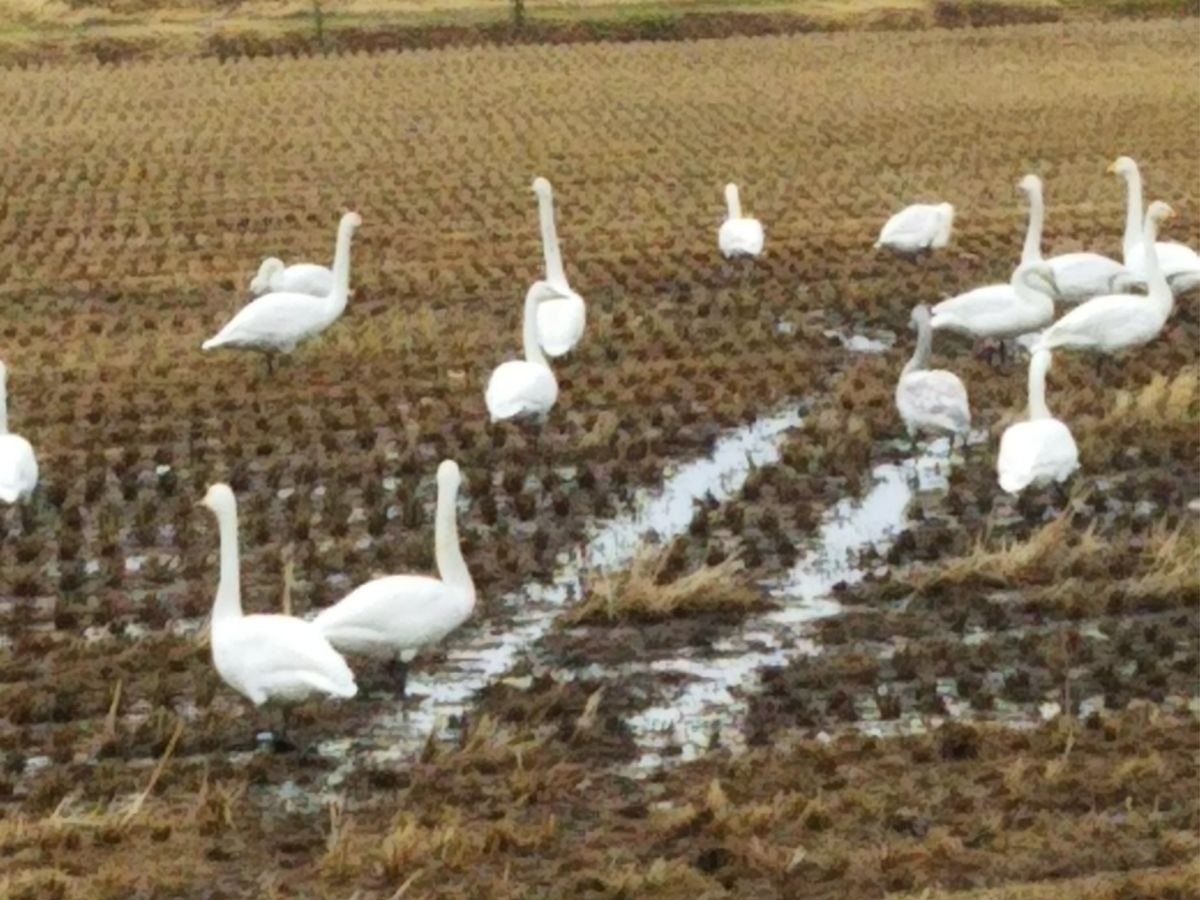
(304,278)
(741,237)
(1032,452)
(274,656)
(1105,323)
(18,468)
(393,613)
(276,321)
(560,324)
(1083,275)
(913,228)
(519,388)
(934,398)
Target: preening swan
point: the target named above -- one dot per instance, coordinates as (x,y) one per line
(1040,449)
(1001,310)
(1179,263)
(738,236)
(299,278)
(525,387)
(18,465)
(933,401)
(266,657)
(560,319)
(1119,321)
(276,323)
(397,615)
(1077,276)
(922,226)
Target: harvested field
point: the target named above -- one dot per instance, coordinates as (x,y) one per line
(954,692)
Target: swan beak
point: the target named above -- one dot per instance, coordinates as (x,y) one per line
(1112,168)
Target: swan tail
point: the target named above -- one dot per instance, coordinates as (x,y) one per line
(9,494)
(212,343)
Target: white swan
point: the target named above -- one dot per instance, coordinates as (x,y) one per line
(525,387)
(922,226)
(397,615)
(930,400)
(1179,263)
(276,323)
(18,465)
(1078,276)
(739,236)
(299,278)
(266,657)
(1118,321)
(1040,449)
(1001,310)
(560,319)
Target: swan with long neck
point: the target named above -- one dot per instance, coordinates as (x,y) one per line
(278,322)
(918,228)
(931,401)
(1001,310)
(1179,263)
(739,236)
(265,658)
(18,464)
(525,387)
(1040,449)
(560,319)
(1117,322)
(298,278)
(1077,276)
(397,615)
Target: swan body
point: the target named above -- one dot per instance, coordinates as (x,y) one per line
(1077,276)
(922,226)
(1040,449)
(560,319)
(1001,310)
(277,322)
(525,387)
(739,236)
(299,278)
(1117,322)
(1180,264)
(398,614)
(266,657)
(933,401)
(18,464)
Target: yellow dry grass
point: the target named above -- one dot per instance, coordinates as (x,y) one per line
(645,592)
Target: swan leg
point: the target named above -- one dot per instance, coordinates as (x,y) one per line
(399,671)
(270,363)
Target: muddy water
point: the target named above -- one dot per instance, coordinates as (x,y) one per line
(704,705)
(476,657)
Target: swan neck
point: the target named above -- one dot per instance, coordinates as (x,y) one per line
(341,269)
(1133,214)
(529,330)
(555,273)
(451,566)
(734,202)
(1160,292)
(920,357)
(1037,386)
(3,405)
(1032,251)
(229,592)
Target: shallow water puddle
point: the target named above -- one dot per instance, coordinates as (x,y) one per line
(476,658)
(708,707)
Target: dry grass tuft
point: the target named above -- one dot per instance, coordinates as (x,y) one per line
(645,592)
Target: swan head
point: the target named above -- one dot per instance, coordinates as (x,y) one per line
(1123,166)
(351,220)
(541,187)
(3,373)
(1039,271)
(449,477)
(1030,183)
(219,499)
(920,315)
(261,282)
(1159,212)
